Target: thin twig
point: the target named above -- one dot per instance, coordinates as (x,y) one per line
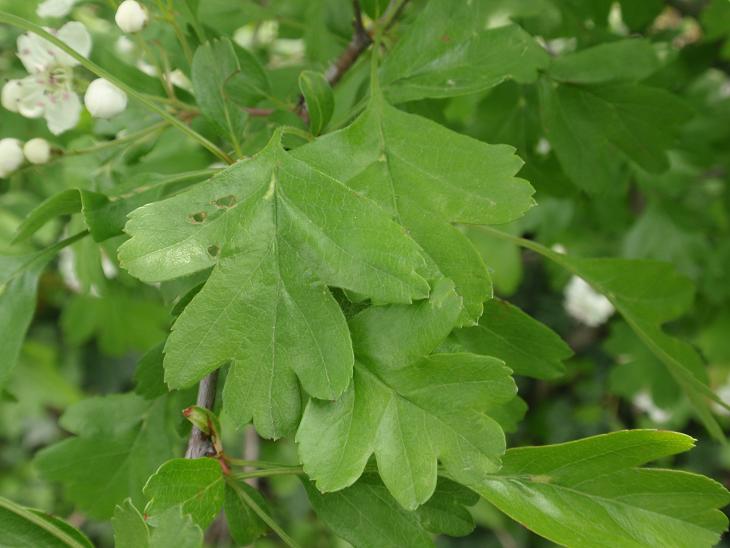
(251,452)
(358,44)
(199,444)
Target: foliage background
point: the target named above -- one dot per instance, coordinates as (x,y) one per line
(83,344)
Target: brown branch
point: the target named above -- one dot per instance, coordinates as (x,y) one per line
(199,444)
(358,44)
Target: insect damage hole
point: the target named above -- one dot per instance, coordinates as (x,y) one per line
(197,218)
(213,250)
(225,202)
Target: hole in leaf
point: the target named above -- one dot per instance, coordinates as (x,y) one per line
(199,217)
(225,202)
(213,250)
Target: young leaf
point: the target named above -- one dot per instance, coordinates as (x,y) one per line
(120,440)
(621,61)
(251,83)
(410,409)
(278,232)
(527,346)
(213,64)
(26,527)
(594,128)
(427,177)
(196,485)
(319,99)
(171,528)
(592,492)
(449,51)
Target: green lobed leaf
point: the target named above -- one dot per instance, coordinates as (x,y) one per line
(278,232)
(410,408)
(119,441)
(426,177)
(22,526)
(319,98)
(450,51)
(527,346)
(627,60)
(594,129)
(591,492)
(196,485)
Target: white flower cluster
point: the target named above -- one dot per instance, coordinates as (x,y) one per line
(585,305)
(13,153)
(48,89)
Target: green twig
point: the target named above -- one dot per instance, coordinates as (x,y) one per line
(134,136)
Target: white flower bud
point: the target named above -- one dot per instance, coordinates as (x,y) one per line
(131,16)
(37,151)
(104,100)
(585,305)
(11,156)
(12,94)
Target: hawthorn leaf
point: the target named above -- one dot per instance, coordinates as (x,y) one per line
(119,441)
(214,63)
(196,485)
(22,526)
(426,177)
(410,409)
(527,346)
(593,129)
(171,528)
(592,492)
(366,515)
(449,51)
(320,99)
(627,60)
(278,232)
(244,524)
